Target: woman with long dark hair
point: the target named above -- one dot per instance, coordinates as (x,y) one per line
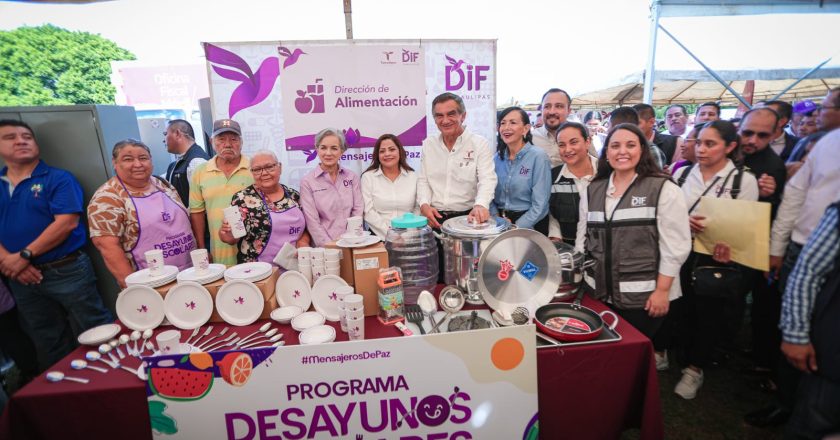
(715,174)
(389,185)
(523,172)
(634,224)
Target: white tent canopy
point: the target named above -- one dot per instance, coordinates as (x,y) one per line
(697,86)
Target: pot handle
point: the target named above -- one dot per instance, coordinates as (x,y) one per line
(614,321)
(587,264)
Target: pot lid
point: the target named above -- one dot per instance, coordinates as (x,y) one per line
(520,267)
(463,228)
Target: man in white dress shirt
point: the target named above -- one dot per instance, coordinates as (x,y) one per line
(555,106)
(457,175)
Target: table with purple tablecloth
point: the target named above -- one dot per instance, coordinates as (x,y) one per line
(585,392)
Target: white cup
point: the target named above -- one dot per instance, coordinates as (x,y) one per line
(332,264)
(304,253)
(354,302)
(356,328)
(355,314)
(333,271)
(342,318)
(341,292)
(306,271)
(200,261)
(169,342)
(154,261)
(317,253)
(354,225)
(234,219)
(332,254)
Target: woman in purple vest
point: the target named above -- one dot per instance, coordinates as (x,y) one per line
(270,211)
(634,224)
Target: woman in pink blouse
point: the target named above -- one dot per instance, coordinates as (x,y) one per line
(330,194)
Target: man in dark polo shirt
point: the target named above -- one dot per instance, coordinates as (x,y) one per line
(41,240)
(180,141)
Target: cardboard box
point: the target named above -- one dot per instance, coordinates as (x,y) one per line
(346,262)
(366,264)
(266,287)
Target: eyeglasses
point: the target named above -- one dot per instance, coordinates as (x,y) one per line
(265,169)
(760,134)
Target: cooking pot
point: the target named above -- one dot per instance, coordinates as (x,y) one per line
(572,265)
(463,242)
(572,322)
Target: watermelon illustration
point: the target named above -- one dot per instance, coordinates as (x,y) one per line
(180,384)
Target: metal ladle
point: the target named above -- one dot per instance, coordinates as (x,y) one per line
(79,364)
(58,376)
(452,300)
(428,305)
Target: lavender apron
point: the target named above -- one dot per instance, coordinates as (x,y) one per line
(165,225)
(286,227)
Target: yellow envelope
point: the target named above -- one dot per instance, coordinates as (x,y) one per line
(742,224)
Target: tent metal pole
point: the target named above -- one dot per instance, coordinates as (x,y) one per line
(708,69)
(806,75)
(348,19)
(650,71)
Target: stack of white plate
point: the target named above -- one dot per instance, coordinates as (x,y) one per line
(325,297)
(214,272)
(253,272)
(143,278)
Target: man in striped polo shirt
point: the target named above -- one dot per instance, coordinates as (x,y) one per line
(213,185)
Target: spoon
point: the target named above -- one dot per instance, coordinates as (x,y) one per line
(106,349)
(79,364)
(267,335)
(253,344)
(206,332)
(216,344)
(94,356)
(276,344)
(135,335)
(262,329)
(428,305)
(115,345)
(146,335)
(58,376)
(212,338)
(195,332)
(124,341)
(452,301)
(141,372)
(150,346)
(223,344)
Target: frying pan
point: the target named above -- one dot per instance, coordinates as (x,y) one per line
(572,322)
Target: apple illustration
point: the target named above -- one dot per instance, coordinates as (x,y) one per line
(303,104)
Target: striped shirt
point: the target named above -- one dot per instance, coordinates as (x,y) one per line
(211,192)
(815,264)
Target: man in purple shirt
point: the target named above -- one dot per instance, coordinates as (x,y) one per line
(330,194)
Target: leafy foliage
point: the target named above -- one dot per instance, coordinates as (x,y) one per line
(48,65)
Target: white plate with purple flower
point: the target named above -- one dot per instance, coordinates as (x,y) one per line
(324,296)
(239,302)
(140,308)
(188,305)
(292,289)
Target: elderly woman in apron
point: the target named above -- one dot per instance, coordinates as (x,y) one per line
(270,211)
(135,212)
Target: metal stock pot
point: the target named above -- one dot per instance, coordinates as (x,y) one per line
(463,242)
(572,265)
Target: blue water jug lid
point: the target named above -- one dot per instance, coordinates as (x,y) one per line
(409,220)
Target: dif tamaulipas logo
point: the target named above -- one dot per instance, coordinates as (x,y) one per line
(461,75)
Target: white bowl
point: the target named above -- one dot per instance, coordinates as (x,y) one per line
(318,334)
(284,315)
(306,320)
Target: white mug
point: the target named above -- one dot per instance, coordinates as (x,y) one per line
(200,261)
(154,261)
(356,328)
(234,219)
(169,342)
(355,225)
(332,254)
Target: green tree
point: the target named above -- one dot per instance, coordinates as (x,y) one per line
(48,65)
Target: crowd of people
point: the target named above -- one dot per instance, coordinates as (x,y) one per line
(614,186)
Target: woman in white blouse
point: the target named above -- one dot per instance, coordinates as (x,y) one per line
(714,175)
(389,185)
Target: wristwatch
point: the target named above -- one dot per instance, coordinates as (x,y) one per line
(26,254)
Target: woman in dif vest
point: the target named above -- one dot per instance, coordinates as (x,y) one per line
(569,181)
(634,224)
